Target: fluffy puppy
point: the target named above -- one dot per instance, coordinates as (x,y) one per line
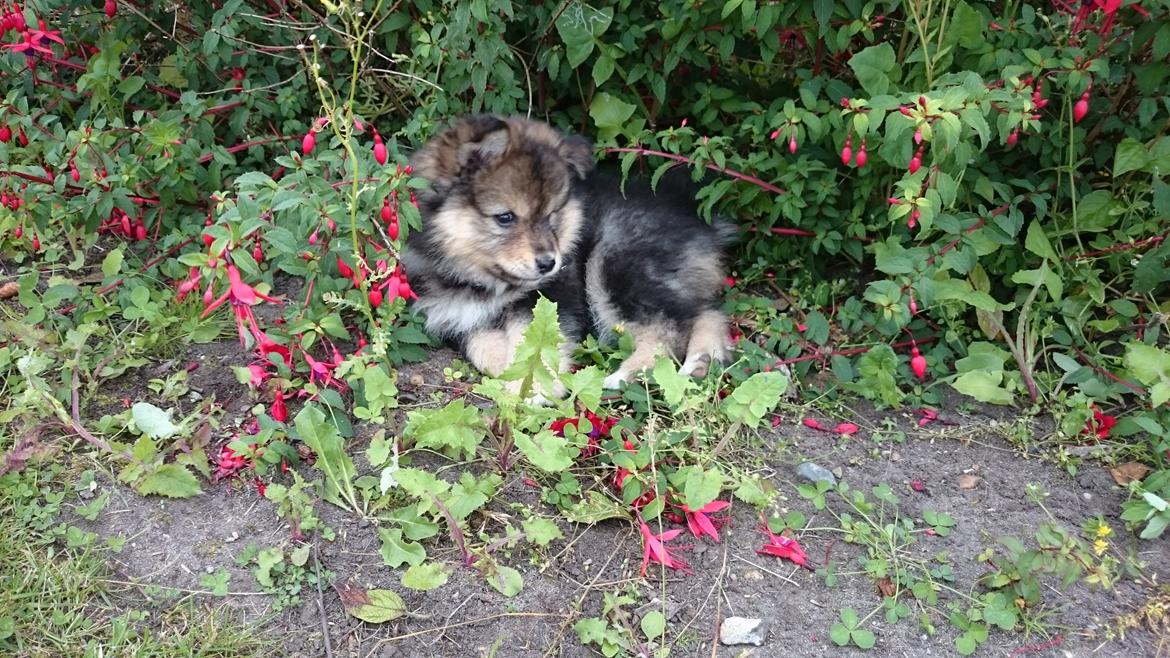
(515,210)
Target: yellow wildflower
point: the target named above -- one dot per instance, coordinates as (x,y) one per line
(1100,546)
(1103,531)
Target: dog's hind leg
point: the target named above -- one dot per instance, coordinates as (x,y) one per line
(708,344)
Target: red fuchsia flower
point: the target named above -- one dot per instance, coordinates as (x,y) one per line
(308,142)
(260,487)
(654,548)
(1100,424)
(34,39)
(845,428)
(599,427)
(228,463)
(279,411)
(928,417)
(1081,108)
(243,297)
(265,346)
(322,370)
(256,375)
(620,477)
(815,424)
(379,149)
(917,363)
(700,524)
(784,548)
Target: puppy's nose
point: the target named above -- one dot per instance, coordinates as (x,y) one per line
(545,263)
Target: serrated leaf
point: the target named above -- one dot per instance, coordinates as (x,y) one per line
(427,576)
(453,430)
(541,531)
(753,399)
(538,356)
(586,386)
(702,487)
(674,385)
(595,507)
(152,421)
(170,480)
(545,450)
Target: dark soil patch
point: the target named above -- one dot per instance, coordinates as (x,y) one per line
(173,543)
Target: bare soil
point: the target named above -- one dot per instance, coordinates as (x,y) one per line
(172,543)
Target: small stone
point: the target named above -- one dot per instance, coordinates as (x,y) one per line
(231,538)
(752,576)
(743,630)
(1087,496)
(815,473)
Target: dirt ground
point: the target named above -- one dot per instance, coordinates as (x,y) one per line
(172,543)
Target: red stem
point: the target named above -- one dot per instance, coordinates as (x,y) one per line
(1123,246)
(682,158)
(1101,371)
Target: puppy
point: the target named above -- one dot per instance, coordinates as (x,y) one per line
(515,210)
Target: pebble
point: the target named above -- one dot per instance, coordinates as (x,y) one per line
(743,630)
(815,473)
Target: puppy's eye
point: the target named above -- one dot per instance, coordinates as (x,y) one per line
(505,219)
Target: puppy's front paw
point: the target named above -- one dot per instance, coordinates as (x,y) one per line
(615,381)
(696,365)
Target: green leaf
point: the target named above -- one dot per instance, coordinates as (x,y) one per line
(152,421)
(602,70)
(505,580)
(586,386)
(983,386)
(753,399)
(863,638)
(839,634)
(397,550)
(171,480)
(1037,243)
(426,576)
(538,356)
(112,263)
(541,531)
(702,487)
(873,66)
(453,429)
(332,460)
(579,26)
(1131,155)
(1148,363)
(610,113)
(653,624)
(545,450)
(595,507)
(674,386)
(376,606)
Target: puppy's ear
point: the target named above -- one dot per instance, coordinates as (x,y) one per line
(578,154)
(484,140)
(470,141)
